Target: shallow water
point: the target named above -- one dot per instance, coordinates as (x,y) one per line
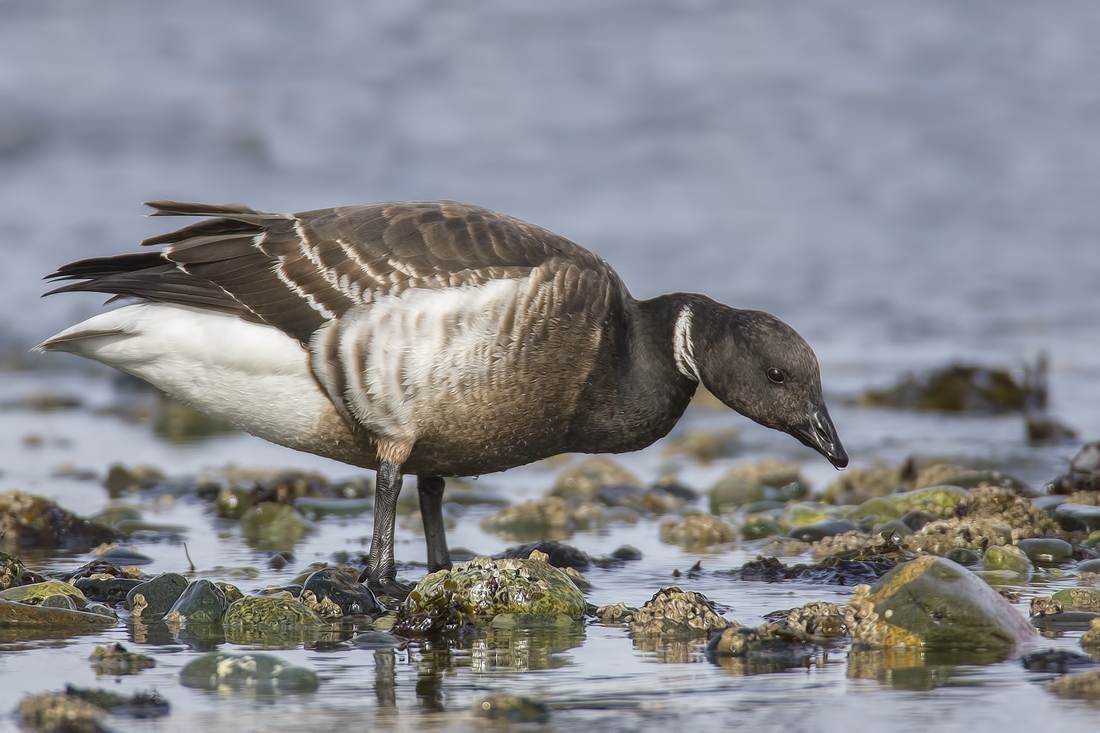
(905,184)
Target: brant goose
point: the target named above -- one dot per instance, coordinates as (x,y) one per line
(431,338)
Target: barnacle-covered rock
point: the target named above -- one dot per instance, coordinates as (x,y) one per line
(27,520)
(478,590)
(697,531)
(675,613)
(117,659)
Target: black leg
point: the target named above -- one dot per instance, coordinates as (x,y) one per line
(382,572)
(430,489)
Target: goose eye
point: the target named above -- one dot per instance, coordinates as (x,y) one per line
(776,376)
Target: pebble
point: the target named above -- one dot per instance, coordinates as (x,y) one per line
(1074,517)
(963,556)
(1049,550)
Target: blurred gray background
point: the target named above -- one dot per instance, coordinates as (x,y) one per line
(904,182)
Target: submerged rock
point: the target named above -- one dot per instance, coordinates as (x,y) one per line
(256,673)
(35,522)
(117,659)
(511,709)
(932,602)
(278,526)
(52,711)
(697,531)
(1078,599)
(141,705)
(1080,686)
(674,613)
(475,591)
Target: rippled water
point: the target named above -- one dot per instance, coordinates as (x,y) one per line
(905,183)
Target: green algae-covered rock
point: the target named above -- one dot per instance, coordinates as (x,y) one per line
(807,512)
(1007,557)
(938,500)
(257,673)
(483,588)
(935,603)
(1079,599)
(38,592)
(697,531)
(14,614)
(276,526)
(269,612)
(877,507)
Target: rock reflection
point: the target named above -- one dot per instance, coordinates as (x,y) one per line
(385,678)
(671,651)
(918,669)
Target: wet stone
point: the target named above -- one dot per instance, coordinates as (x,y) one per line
(1089,566)
(549,518)
(935,603)
(1056,660)
(879,507)
(936,500)
(121,479)
(201,602)
(958,388)
(822,529)
(916,520)
(349,595)
(270,613)
(476,591)
(59,601)
(232,592)
(582,481)
(33,521)
(758,528)
(117,659)
(278,526)
(963,556)
(154,598)
(51,711)
(557,554)
(830,571)
(15,614)
(767,648)
(697,531)
(1065,621)
(1045,606)
(730,493)
(318,508)
(124,556)
(512,709)
(895,530)
(674,613)
(11,571)
(1078,599)
(379,640)
(38,592)
(1048,550)
(805,513)
(112,515)
(140,705)
(640,500)
(256,673)
(1080,686)
(232,502)
(1091,638)
(1006,558)
(976,479)
(1077,517)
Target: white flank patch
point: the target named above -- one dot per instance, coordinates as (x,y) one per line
(249,375)
(683,350)
(404,352)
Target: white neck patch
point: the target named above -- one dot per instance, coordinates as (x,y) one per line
(683,351)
